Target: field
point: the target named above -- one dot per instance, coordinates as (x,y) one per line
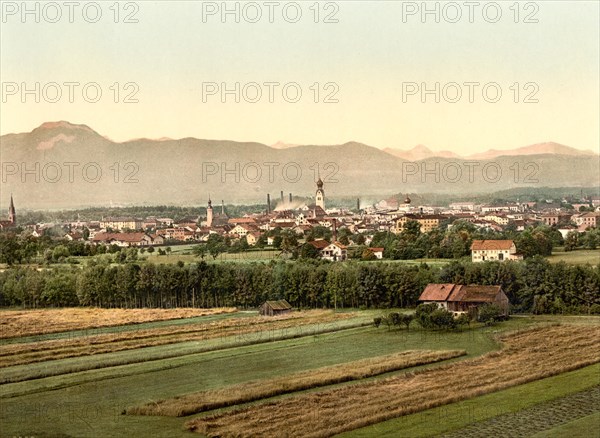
(315,373)
(34,322)
(184,254)
(579,257)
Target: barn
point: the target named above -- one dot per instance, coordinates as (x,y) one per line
(274,308)
(460,298)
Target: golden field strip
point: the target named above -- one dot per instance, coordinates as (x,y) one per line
(17,323)
(526,356)
(255,390)
(26,353)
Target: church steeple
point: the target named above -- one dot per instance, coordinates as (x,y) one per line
(209,213)
(320,195)
(12,215)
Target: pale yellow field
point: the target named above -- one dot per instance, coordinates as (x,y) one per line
(15,323)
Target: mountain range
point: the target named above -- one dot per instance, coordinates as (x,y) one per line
(64,165)
(421,152)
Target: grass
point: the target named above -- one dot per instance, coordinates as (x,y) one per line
(20,354)
(15,323)
(580,428)
(184,255)
(578,257)
(89,402)
(542,416)
(160,353)
(259,389)
(431,262)
(526,356)
(456,416)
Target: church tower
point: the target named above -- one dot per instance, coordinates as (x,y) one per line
(320,195)
(12,215)
(209,214)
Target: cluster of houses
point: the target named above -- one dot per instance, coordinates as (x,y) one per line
(390,215)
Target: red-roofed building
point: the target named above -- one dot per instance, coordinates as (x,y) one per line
(319,243)
(494,250)
(335,251)
(458,298)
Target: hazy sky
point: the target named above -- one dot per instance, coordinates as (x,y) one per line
(368,58)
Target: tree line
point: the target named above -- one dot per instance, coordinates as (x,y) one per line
(533,285)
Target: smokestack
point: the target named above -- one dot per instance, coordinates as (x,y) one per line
(290,198)
(335,230)
(268,203)
(357,204)
(222,207)
(282,201)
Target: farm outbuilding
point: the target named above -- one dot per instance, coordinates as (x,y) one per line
(274,308)
(459,298)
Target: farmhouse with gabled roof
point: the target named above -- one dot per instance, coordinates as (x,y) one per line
(460,298)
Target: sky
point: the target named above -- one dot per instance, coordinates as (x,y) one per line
(364,71)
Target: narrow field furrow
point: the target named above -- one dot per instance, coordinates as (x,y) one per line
(21,354)
(256,390)
(526,356)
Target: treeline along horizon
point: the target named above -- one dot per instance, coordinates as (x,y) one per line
(533,285)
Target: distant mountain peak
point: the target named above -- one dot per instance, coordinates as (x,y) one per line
(62,124)
(419,152)
(420,148)
(548,147)
(282,145)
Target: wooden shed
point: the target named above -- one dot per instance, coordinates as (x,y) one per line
(274,308)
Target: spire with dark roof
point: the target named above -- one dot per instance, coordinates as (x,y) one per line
(12,215)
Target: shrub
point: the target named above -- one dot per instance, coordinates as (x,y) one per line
(489,314)
(442,319)
(406,319)
(463,319)
(368,255)
(594,309)
(377,321)
(394,318)
(423,313)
